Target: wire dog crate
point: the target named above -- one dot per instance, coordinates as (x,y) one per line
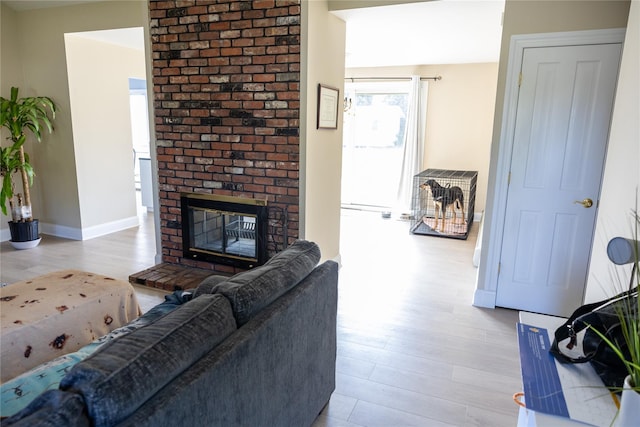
(443,202)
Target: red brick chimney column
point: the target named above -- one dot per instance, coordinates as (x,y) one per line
(226,83)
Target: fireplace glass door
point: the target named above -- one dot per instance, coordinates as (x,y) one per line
(225,233)
(224,229)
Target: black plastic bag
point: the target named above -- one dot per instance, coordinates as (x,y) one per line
(576,342)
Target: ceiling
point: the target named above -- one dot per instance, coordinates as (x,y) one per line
(423,33)
(132,38)
(431,32)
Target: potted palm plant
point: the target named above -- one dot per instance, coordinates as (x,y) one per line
(627,345)
(20,116)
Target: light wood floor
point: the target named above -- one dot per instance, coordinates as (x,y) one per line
(412,350)
(115,255)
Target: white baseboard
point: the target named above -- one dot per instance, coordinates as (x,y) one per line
(87,233)
(49,229)
(63,231)
(485,299)
(109,227)
(338,259)
(5,235)
(478,248)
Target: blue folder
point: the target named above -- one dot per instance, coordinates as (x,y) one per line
(542,388)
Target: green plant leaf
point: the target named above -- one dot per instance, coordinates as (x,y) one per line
(628,313)
(20,116)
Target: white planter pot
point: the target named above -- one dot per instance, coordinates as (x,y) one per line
(29,244)
(629,415)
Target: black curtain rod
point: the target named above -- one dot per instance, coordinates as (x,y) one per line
(391,78)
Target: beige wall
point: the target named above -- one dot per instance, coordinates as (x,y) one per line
(323,51)
(531,17)
(10,75)
(43,71)
(99,95)
(621,183)
(10,48)
(459,115)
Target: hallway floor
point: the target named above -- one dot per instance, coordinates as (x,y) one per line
(412,350)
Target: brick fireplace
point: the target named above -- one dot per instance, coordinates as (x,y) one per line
(226,83)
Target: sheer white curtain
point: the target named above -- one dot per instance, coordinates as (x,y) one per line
(413,143)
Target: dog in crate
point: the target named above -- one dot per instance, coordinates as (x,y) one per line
(445,198)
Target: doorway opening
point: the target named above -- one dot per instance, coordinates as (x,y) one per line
(375,119)
(103,68)
(138,105)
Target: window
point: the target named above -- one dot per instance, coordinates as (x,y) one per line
(373,142)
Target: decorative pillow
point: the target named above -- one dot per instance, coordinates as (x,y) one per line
(18,392)
(251,291)
(122,375)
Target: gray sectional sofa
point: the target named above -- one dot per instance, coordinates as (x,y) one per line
(256,349)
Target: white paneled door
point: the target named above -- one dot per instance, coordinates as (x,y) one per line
(562,126)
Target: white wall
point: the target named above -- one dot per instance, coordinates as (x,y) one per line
(323,51)
(621,184)
(99,96)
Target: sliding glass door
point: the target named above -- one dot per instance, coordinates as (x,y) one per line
(373,143)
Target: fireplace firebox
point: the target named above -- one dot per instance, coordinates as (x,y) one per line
(224,229)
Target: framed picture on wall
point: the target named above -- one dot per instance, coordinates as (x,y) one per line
(327,107)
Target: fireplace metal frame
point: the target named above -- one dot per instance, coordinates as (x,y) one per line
(231,206)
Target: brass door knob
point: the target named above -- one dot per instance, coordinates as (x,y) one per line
(587,203)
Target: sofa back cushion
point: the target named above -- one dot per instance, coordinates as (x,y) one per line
(207,285)
(125,373)
(251,291)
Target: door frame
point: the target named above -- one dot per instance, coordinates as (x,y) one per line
(487,280)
